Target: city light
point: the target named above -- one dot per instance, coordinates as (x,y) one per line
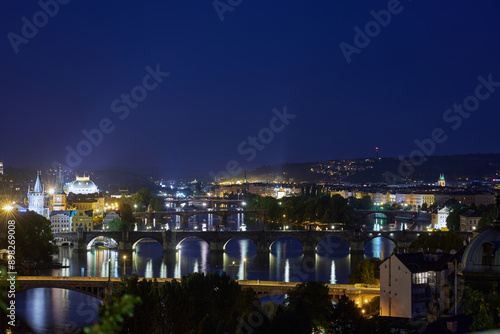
(8,207)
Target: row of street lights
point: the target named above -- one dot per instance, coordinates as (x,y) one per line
(124,267)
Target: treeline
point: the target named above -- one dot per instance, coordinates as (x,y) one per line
(215,303)
(488,214)
(301,209)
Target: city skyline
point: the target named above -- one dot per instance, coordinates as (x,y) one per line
(188,86)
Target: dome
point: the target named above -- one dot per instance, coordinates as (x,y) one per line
(482,255)
(83,185)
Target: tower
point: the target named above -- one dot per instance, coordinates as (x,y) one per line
(36,198)
(59,197)
(441,181)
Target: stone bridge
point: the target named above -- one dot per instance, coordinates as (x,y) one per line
(391,215)
(99,287)
(148,216)
(170,240)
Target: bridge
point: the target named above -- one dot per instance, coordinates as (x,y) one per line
(99,287)
(171,240)
(224,214)
(390,215)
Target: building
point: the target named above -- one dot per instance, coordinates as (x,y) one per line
(441,182)
(62,221)
(469,220)
(1,168)
(439,217)
(36,198)
(59,196)
(409,282)
(88,203)
(82,185)
(480,267)
(476,198)
(83,221)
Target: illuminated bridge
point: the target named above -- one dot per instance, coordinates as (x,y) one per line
(170,240)
(98,287)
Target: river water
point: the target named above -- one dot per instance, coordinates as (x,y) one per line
(63,311)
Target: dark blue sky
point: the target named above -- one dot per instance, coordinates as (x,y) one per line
(225,78)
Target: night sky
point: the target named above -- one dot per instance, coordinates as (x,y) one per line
(226,76)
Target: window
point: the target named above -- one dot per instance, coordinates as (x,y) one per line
(419,278)
(488,254)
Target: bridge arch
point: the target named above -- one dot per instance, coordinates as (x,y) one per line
(332,244)
(92,240)
(253,244)
(134,243)
(283,242)
(97,292)
(387,235)
(376,247)
(191,238)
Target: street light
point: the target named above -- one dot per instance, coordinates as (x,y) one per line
(233,270)
(124,265)
(244,269)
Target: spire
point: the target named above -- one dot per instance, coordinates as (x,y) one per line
(59,182)
(38,184)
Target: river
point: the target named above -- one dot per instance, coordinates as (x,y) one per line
(62,311)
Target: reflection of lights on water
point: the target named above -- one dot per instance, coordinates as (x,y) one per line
(287,271)
(177,270)
(163,270)
(148,272)
(333,278)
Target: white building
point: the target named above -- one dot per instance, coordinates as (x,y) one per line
(469,220)
(410,282)
(62,221)
(36,198)
(439,217)
(82,185)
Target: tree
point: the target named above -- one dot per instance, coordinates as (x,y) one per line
(157,204)
(126,216)
(445,241)
(311,299)
(489,213)
(453,219)
(483,310)
(116,225)
(367,271)
(425,207)
(347,317)
(142,197)
(198,303)
(113,314)
(33,236)
(198,189)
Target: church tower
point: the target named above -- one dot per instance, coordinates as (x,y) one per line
(441,181)
(59,197)
(36,198)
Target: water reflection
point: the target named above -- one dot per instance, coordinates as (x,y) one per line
(286,262)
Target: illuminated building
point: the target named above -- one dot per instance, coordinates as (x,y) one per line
(83,221)
(83,185)
(441,182)
(36,198)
